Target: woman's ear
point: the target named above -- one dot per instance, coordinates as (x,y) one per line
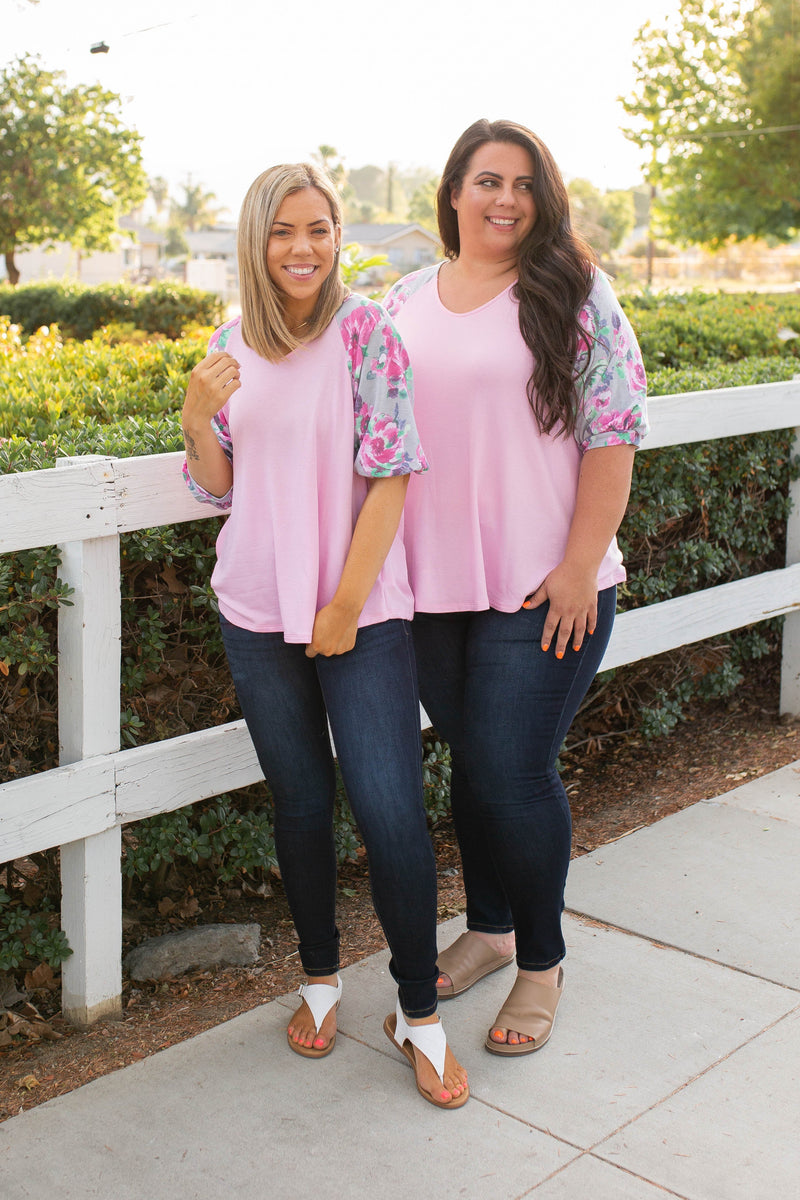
(454,198)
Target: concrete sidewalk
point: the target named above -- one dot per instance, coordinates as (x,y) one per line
(674,1069)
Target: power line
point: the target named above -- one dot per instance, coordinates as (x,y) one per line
(150,28)
(746,132)
(163,25)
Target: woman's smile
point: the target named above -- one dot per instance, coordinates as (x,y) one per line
(499,177)
(301,251)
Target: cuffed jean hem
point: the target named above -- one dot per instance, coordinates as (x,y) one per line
(322,959)
(419,1000)
(524,966)
(480,927)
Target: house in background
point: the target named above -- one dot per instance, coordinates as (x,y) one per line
(136,259)
(211,262)
(408,247)
(212,254)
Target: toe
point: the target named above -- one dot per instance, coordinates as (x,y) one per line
(302,1031)
(498,1035)
(444,981)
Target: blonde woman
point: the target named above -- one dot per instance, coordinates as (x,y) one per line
(299,424)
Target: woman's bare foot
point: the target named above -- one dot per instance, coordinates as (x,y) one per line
(548,978)
(502,943)
(454,1079)
(302,1030)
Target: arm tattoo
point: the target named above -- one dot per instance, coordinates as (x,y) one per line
(191,447)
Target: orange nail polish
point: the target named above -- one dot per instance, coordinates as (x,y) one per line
(546,647)
(559,653)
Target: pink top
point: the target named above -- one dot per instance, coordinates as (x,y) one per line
(491,519)
(303,434)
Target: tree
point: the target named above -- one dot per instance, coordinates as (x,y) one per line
(369,186)
(176,245)
(68,166)
(422,205)
(159,191)
(769,66)
(198,210)
(716,111)
(602,218)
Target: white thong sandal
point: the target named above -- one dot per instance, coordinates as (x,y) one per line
(430,1040)
(320,998)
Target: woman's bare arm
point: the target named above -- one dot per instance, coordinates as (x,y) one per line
(336,624)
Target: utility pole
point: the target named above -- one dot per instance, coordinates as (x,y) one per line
(390,187)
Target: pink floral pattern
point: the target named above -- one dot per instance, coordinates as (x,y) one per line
(613,387)
(386,441)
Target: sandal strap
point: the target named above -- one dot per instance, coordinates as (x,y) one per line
(430,1040)
(321,998)
(530,1008)
(468,959)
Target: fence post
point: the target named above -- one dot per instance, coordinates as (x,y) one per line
(790,659)
(89,640)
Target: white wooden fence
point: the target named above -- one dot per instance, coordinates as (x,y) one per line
(81,806)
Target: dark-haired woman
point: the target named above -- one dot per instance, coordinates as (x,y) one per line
(530,401)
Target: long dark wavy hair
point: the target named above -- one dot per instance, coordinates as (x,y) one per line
(555,270)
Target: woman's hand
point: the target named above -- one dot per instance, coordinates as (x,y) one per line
(212,382)
(334,632)
(336,624)
(572,593)
(571,587)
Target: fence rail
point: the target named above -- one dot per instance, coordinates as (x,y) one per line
(84,504)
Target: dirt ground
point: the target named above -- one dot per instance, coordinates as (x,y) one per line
(622,786)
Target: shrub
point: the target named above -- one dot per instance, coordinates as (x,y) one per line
(698,327)
(29,938)
(699,515)
(225,840)
(165,308)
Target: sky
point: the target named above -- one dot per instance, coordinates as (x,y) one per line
(221,89)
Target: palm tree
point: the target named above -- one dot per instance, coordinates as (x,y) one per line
(198,210)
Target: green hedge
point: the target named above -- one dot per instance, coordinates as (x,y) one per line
(165,308)
(92,390)
(698,327)
(699,515)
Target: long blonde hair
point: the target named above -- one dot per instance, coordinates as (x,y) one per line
(264,325)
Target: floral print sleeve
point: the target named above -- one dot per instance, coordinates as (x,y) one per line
(405,288)
(386,441)
(219,424)
(612,390)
